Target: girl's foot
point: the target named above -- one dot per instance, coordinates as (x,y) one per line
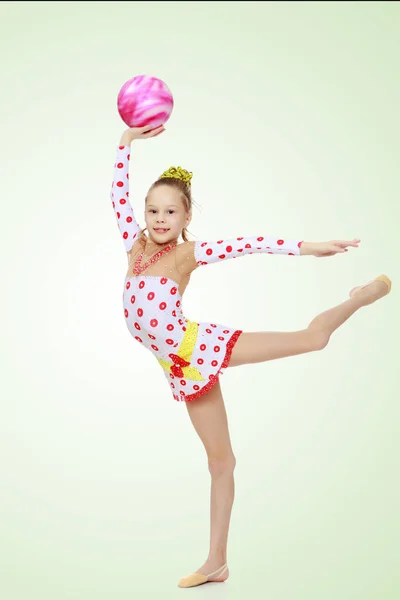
(209,572)
(372,291)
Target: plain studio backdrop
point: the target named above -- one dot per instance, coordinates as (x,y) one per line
(287,114)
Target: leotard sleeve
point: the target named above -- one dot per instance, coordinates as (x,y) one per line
(126,221)
(206,253)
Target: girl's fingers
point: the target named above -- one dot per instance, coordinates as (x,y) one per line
(153,132)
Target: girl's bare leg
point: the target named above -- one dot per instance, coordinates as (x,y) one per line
(209,419)
(254,347)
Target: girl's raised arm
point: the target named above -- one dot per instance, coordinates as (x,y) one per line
(119,194)
(126,221)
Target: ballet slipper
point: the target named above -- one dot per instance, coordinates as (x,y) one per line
(199,578)
(383,278)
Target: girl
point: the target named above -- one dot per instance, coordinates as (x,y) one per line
(193,355)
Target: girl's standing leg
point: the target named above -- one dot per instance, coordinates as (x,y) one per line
(209,419)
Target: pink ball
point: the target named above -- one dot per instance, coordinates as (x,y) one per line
(145,100)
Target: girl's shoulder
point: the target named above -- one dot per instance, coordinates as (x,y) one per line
(185,257)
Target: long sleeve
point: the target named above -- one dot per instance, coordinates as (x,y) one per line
(126,221)
(206,253)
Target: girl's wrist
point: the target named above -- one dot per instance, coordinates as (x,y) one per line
(306,249)
(126,139)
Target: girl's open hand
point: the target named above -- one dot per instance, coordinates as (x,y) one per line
(140,133)
(333,247)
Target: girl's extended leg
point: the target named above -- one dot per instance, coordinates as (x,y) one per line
(209,419)
(254,347)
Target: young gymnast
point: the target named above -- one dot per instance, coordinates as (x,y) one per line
(192,354)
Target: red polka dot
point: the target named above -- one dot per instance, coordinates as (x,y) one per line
(183,382)
(140,312)
(172,376)
(214,363)
(150,296)
(221,338)
(178,303)
(122,201)
(152,337)
(172,384)
(217,348)
(169,341)
(126,313)
(163,306)
(212,325)
(125,235)
(260,239)
(137,326)
(200,361)
(225,331)
(153,323)
(154,347)
(196,387)
(184,328)
(173,291)
(229,248)
(120,165)
(120,184)
(138,339)
(248,246)
(129,219)
(203,347)
(174,313)
(221,256)
(128,285)
(163,280)
(299,244)
(209,251)
(291,254)
(204,244)
(280,242)
(239,238)
(141,285)
(170,327)
(220,241)
(208,331)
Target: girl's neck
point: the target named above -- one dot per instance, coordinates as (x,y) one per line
(152,245)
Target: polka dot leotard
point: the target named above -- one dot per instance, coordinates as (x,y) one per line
(192,355)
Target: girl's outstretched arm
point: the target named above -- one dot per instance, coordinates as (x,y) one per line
(204,253)
(127,224)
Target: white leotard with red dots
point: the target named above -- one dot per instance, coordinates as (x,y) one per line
(192,355)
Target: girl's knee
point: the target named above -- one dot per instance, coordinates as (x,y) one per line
(219,465)
(320,340)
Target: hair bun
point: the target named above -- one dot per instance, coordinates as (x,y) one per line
(178,173)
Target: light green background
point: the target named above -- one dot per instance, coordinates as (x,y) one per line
(287,113)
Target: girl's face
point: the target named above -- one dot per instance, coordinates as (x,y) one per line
(165,214)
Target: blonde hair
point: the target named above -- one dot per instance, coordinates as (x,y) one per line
(178,179)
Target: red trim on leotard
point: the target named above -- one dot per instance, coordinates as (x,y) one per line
(214,378)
